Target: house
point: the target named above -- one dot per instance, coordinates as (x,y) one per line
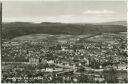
(14,43)
(62,41)
(33,60)
(50,62)
(5,44)
(99,79)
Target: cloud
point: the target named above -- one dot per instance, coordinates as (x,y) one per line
(98,12)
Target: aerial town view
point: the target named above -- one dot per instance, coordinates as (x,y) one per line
(67,49)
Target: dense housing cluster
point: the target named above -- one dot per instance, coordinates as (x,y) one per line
(101,58)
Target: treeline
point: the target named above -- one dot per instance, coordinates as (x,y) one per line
(12,30)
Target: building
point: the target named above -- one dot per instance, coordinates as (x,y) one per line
(33,61)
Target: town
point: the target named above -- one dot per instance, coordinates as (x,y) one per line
(66,59)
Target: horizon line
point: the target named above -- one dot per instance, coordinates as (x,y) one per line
(62,22)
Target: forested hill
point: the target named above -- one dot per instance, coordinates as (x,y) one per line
(15,29)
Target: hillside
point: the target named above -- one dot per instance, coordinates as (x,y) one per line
(15,29)
(124,23)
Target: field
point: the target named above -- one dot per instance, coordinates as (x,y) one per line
(35,37)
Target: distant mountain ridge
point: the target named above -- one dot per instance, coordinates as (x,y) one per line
(15,29)
(124,23)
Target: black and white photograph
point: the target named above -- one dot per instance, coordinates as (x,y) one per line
(64,41)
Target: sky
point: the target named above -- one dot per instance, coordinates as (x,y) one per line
(64,11)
